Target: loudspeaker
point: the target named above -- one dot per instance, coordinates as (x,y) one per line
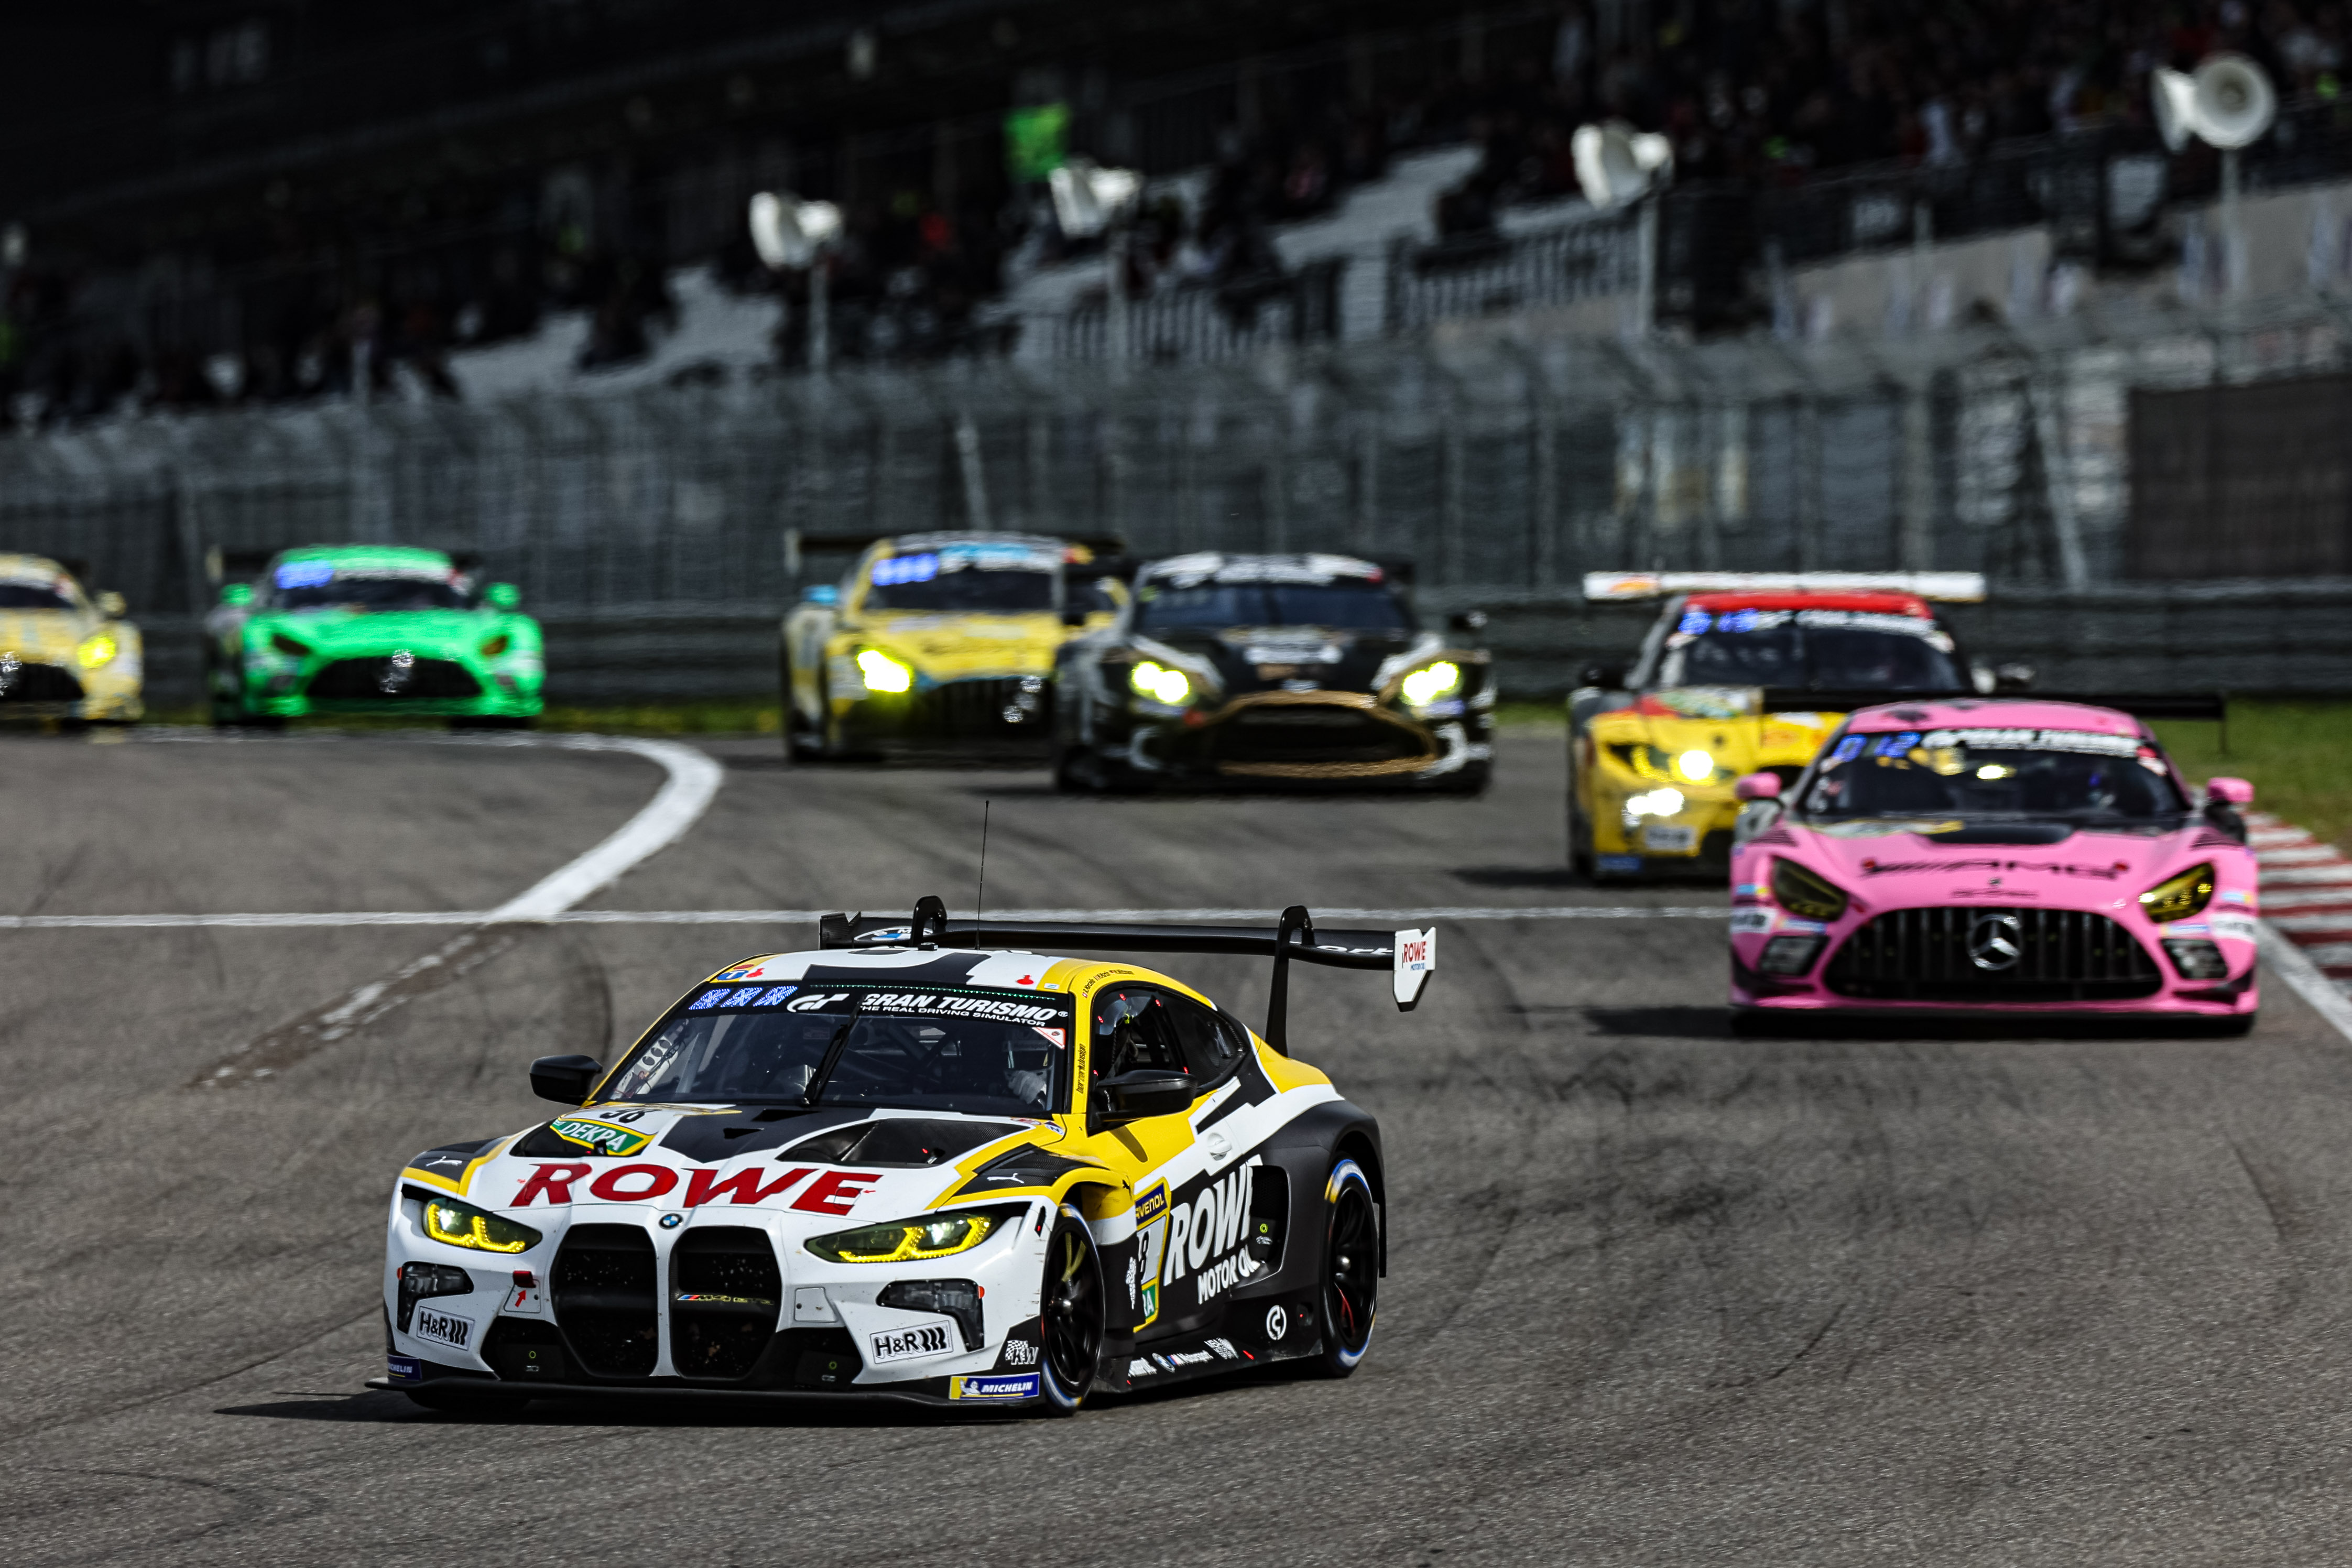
(1616,163)
(2175,100)
(787,231)
(2235,100)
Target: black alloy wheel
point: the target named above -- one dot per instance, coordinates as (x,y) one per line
(1351,1270)
(1071,1314)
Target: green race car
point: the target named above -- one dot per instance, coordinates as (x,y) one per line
(371,629)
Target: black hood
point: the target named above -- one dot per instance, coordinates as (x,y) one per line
(1274,659)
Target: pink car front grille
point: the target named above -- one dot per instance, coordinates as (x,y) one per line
(1966,954)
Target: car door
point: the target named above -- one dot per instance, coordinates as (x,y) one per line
(1191,1190)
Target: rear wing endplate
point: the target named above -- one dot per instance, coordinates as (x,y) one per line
(1949,587)
(1409,956)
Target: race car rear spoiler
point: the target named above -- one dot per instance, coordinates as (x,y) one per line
(2139,705)
(1409,956)
(1949,587)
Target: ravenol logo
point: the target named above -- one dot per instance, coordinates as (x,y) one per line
(1152,1206)
(600,1136)
(1021,1387)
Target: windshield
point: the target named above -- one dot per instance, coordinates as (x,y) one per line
(1004,581)
(1826,650)
(979,1053)
(1355,606)
(2070,773)
(32,596)
(349,592)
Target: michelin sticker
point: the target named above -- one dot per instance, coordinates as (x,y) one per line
(1024,1387)
(2232,928)
(1750,922)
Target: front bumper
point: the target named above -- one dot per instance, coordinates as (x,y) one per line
(464,687)
(108,694)
(982,713)
(1271,739)
(1693,840)
(2076,963)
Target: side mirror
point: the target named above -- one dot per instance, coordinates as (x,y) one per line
(1468,621)
(821,593)
(565,1079)
(1604,675)
(2229,791)
(502,596)
(109,604)
(1758,786)
(236,593)
(1152,1091)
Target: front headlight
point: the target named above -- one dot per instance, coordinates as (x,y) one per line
(98,648)
(1427,684)
(905,1241)
(1800,893)
(2179,898)
(463,1225)
(1654,803)
(281,643)
(1694,765)
(1159,683)
(496,646)
(884,673)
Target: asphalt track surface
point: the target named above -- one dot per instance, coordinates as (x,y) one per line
(1656,1295)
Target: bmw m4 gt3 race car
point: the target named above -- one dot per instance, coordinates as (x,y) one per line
(1741,671)
(900,1166)
(371,629)
(1262,669)
(2016,857)
(937,641)
(65,653)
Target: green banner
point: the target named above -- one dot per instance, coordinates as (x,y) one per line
(1037,140)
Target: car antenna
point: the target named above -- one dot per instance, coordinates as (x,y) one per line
(979,894)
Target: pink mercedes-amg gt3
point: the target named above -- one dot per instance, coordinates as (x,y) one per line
(1995,856)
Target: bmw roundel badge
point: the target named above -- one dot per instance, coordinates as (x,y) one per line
(672,1221)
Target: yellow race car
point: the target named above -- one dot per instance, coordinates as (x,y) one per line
(1741,673)
(65,653)
(940,641)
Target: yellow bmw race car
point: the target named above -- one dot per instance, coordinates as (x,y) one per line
(938,641)
(1741,673)
(65,653)
(902,1167)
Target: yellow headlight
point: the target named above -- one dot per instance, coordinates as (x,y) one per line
(884,673)
(97,649)
(2177,897)
(905,1241)
(1696,765)
(463,1225)
(1160,685)
(1803,893)
(1427,684)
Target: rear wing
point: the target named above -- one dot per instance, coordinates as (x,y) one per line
(1409,956)
(2139,705)
(1948,587)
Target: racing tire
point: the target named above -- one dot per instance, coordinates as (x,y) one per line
(492,721)
(1073,1313)
(479,1405)
(1580,845)
(2236,1026)
(1351,1270)
(1471,780)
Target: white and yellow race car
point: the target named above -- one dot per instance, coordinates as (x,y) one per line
(938,641)
(900,1166)
(64,652)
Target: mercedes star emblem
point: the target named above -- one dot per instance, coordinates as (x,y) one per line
(396,672)
(1996,940)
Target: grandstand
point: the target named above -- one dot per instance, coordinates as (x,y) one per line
(211,204)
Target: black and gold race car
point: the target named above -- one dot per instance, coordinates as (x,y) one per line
(1261,671)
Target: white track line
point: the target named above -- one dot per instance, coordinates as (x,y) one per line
(693,779)
(809,917)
